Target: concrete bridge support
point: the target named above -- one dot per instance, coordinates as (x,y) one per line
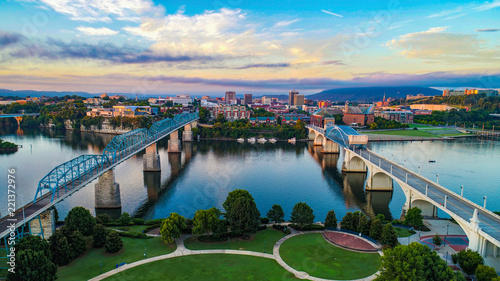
(187,135)
(107,192)
(19,119)
(330,147)
(44,225)
(352,163)
(174,145)
(151,159)
(152,181)
(378,181)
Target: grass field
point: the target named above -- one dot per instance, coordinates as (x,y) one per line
(409,133)
(207,267)
(132,228)
(262,241)
(403,232)
(88,265)
(312,254)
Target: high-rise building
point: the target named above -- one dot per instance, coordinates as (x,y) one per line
(230,96)
(291,97)
(266,100)
(248,99)
(298,100)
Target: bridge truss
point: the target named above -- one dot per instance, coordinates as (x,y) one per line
(78,170)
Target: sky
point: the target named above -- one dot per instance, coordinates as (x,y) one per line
(155,47)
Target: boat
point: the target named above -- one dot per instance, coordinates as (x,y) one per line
(241,140)
(261,140)
(292,140)
(273,140)
(251,140)
(432,161)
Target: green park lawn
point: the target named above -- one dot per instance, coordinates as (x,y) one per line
(403,232)
(313,254)
(88,265)
(262,241)
(207,267)
(409,133)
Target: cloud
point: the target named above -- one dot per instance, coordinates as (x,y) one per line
(488,30)
(103,31)
(7,39)
(54,49)
(264,65)
(335,62)
(331,13)
(488,6)
(437,44)
(286,23)
(99,10)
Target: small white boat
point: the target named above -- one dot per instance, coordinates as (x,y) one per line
(240,140)
(273,140)
(292,140)
(261,140)
(251,140)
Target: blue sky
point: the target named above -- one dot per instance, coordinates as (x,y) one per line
(208,47)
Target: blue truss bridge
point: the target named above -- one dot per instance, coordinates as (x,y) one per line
(72,175)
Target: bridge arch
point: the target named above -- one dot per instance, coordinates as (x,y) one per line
(353,163)
(378,180)
(319,140)
(312,134)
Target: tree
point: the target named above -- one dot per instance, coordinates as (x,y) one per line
(125,219)
(80,219)
(220,118)
(171,227)
(376,229)
(220,228)
(113,242)
(414,217)
(78,244)
(389,236)
(276,214)
(485,273)
(99,236)
(302,215)
(232,196)
(331,220)
(205,221)
(102,219)
(33,265)
(347,222)
(469,260)
(413,262)
(244,217)
(437,240)
(62,253)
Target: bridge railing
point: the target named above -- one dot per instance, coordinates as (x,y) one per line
(85,166)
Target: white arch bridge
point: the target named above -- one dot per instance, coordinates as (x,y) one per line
(481,226)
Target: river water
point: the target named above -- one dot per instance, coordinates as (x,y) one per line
(203,174)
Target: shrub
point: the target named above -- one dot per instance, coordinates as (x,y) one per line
(139,221)
(113,242)
(125,219)
(485,273)
(135,235)
(78,244)
(264,220)
(310,227)
(102,219)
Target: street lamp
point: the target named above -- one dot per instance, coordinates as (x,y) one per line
(437,178)
(484,202)
(462,191)
(101,265)
(419,170)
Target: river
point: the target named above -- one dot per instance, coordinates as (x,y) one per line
(203,174)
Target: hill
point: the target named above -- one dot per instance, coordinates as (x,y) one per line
(370,94)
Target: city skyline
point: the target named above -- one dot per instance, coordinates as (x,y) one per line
(159,47)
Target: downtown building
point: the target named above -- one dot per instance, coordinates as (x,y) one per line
(230,112)
(230,97)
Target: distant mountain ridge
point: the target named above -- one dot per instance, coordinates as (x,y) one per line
(370,94)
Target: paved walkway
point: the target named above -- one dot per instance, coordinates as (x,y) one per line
(181,250)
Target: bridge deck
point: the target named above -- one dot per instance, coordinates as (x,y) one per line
(489,222)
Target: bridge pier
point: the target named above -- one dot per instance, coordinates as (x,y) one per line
(152,181)
(19,119)
(44,225)
(174,145)
(107,192)
(352,163)
(330,147)
(151,159)
(187,134)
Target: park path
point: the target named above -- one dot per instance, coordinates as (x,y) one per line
(181,250)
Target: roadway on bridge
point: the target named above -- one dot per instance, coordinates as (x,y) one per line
(489,223)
